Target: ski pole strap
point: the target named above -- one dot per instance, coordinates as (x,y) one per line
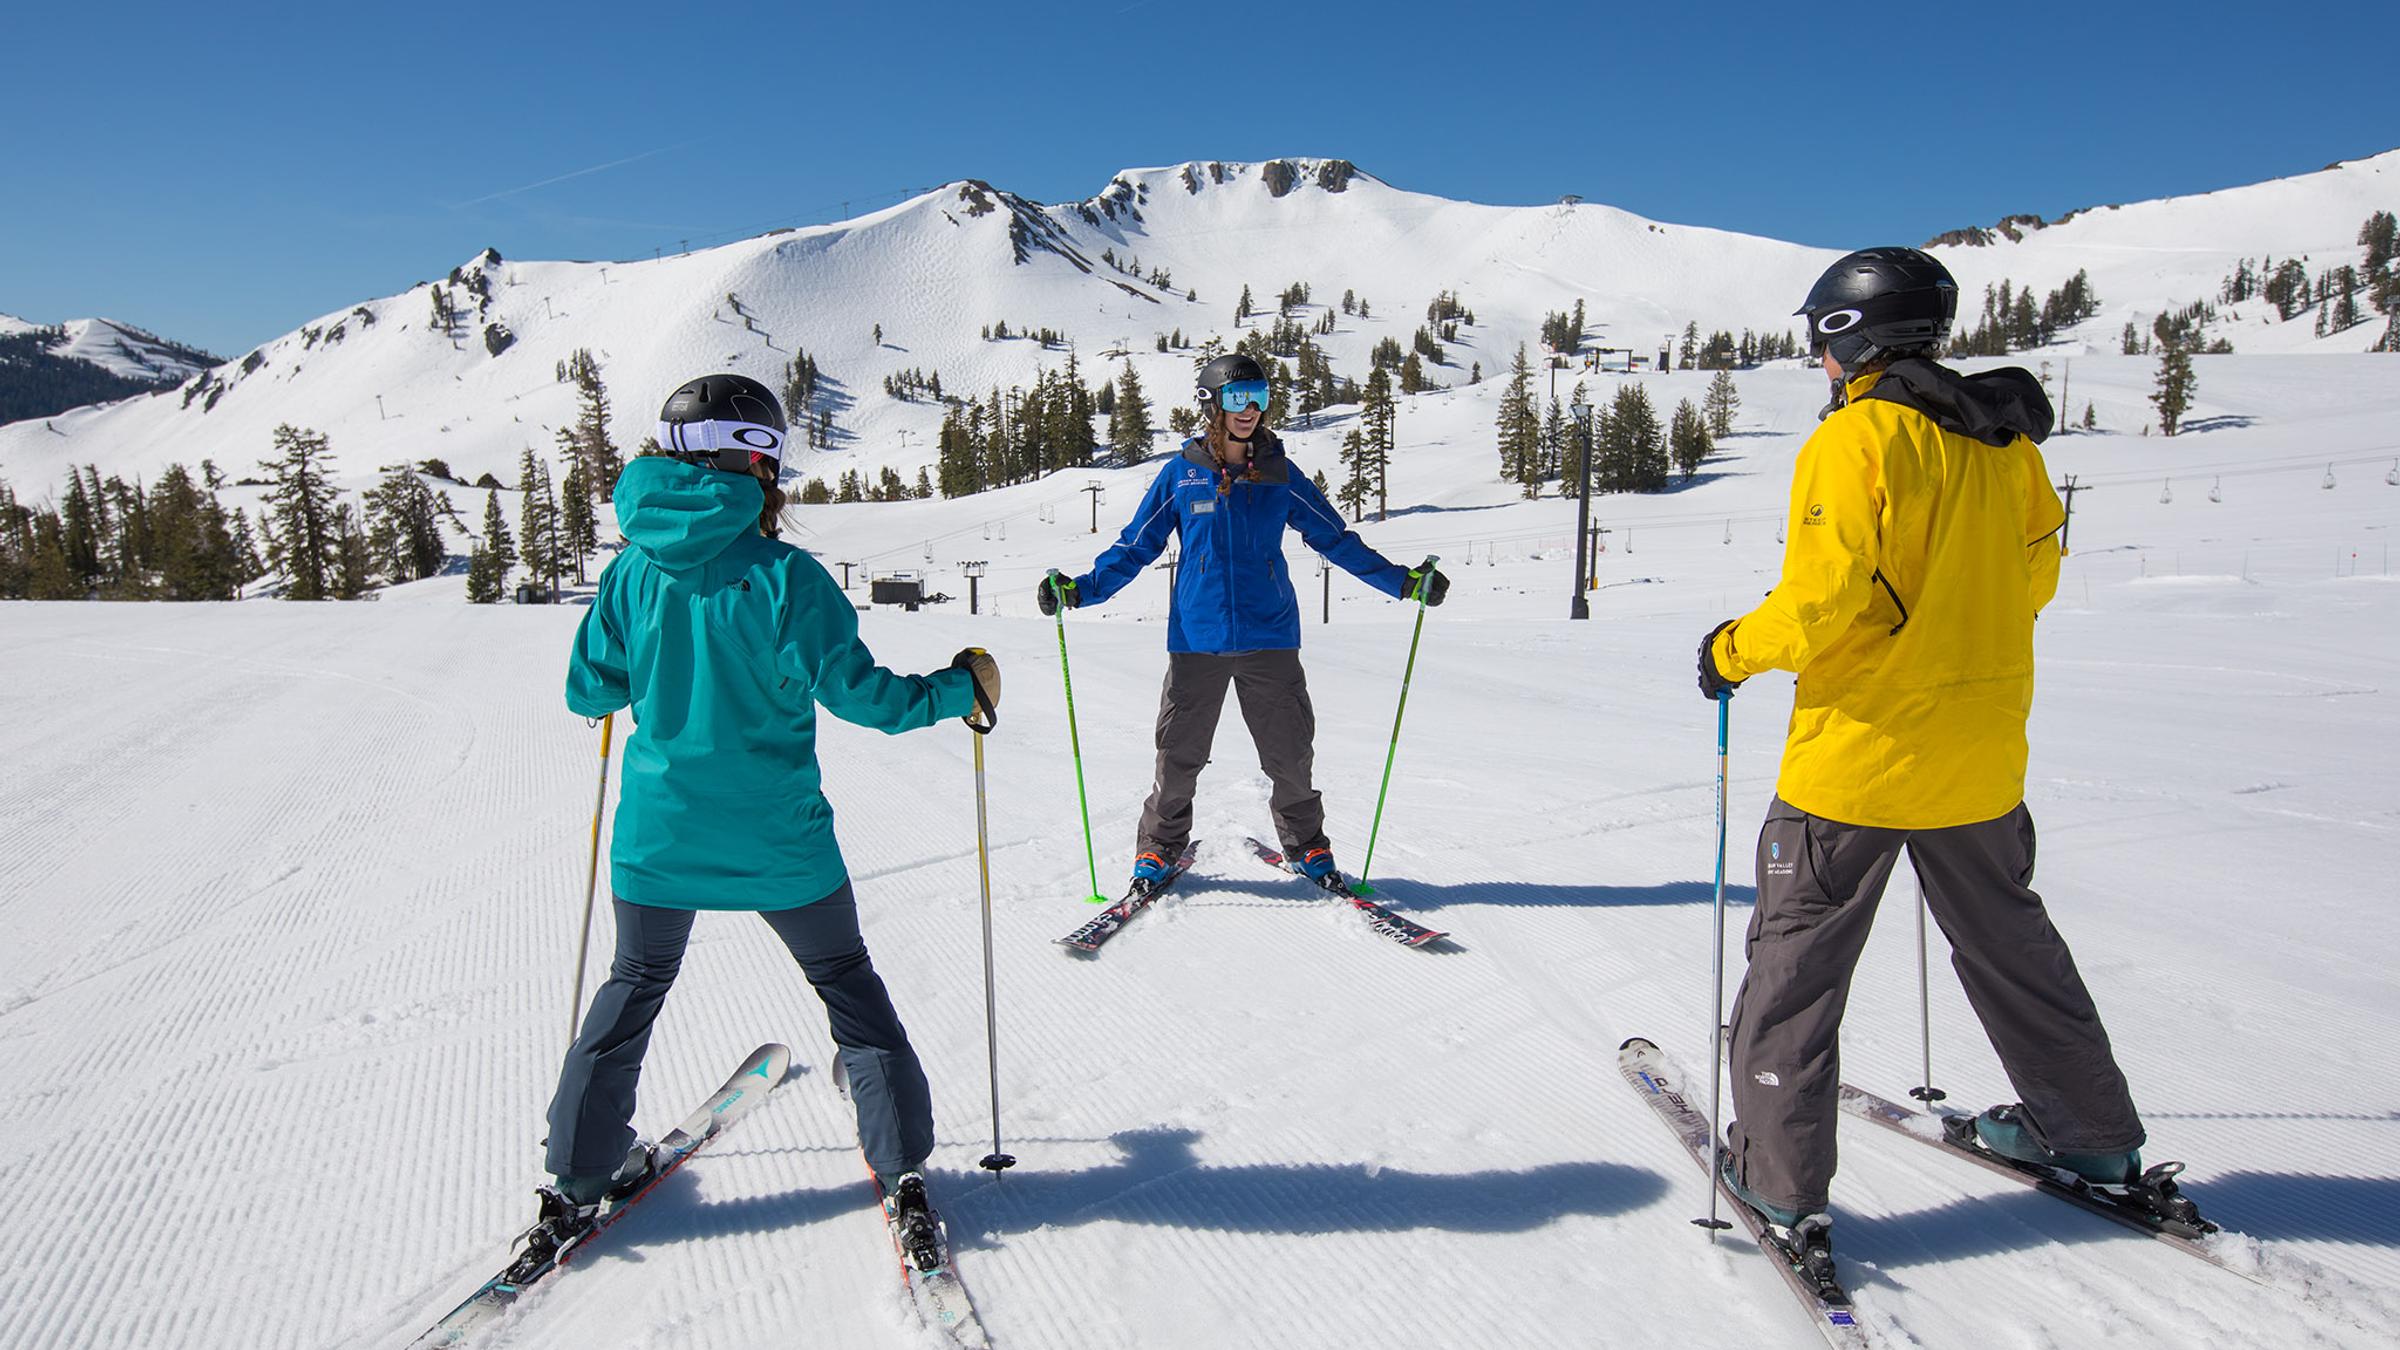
(989,712)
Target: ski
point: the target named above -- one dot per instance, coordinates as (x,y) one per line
(935,1290)
(1648,1071)
(1085,941)
(741,1094)
(1386,923)
(1955,1133)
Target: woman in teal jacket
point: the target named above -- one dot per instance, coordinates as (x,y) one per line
(723,639)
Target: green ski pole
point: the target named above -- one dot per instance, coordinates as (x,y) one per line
(1074,741)
(1360,886)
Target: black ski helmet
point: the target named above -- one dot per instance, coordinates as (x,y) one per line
(1880,301)
(1223,371)
(726,422)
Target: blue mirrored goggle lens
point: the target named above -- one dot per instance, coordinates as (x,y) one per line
(1242,394)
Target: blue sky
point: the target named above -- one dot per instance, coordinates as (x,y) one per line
(224,174)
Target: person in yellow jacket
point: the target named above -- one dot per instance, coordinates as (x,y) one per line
(1923,540)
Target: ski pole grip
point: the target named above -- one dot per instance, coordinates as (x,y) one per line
(989,711)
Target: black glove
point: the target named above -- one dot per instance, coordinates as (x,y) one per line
(1712,680)
(1430,581)
(1054,590)
(985,671)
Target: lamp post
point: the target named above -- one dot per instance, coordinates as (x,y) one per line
(1579,607)
(1325,574)
(974,571)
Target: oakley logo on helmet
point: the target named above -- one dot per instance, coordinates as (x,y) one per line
(1839,321)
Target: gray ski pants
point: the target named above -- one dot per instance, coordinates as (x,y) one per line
(591,1117)
(1818,882)
(1274,695)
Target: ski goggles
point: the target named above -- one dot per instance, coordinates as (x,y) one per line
(1242,395)
(732,446)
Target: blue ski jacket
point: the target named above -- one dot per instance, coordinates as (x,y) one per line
(723,642)
(1232,590)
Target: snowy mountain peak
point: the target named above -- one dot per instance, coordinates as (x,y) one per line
(118,348)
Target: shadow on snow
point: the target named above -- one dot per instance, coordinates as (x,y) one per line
(1161,1180)
(1409,896)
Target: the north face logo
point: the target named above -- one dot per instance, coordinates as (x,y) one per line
(1768,1079)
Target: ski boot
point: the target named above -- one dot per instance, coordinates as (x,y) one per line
(1316,864)
(916,1229)
(561,1223)
(1153,868)
(639,1168)
(1804,1240)
(2118,1179)
(2004,1130)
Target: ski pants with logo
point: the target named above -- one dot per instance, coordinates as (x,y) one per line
(1818,883)
(591,1117)
(1274,695)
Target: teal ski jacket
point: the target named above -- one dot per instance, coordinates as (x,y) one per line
(723,642)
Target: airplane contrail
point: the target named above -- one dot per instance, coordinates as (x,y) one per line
(596,168)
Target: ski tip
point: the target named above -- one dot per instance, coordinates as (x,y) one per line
(772,1061)
(1632,1042)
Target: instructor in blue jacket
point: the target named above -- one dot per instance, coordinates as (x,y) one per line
(1233,618)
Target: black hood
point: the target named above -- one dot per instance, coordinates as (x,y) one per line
(1994,407)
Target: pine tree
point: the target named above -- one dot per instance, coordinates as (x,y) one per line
(1554,438)
(2176,385)
(496,538)
(1688,439)
(1520,429)
(403,531)
(301,505)
(1129,429)
(2381,270)
(1357,485)
(539,522)
(578,525)
(487,577)
(353,572)
(1242,308)
(195,554)
(1720,403)
(1376,417)
(601,461)
(1632,453)
(80,533)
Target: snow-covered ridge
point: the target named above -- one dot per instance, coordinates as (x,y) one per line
(1159,250)
(118,348)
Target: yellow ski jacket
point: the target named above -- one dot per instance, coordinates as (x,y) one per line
(1923,540)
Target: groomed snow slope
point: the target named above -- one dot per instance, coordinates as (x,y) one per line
(291,893)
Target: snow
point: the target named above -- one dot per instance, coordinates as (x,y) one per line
(117,348)
(933,271)
(292,891)
(305,881)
